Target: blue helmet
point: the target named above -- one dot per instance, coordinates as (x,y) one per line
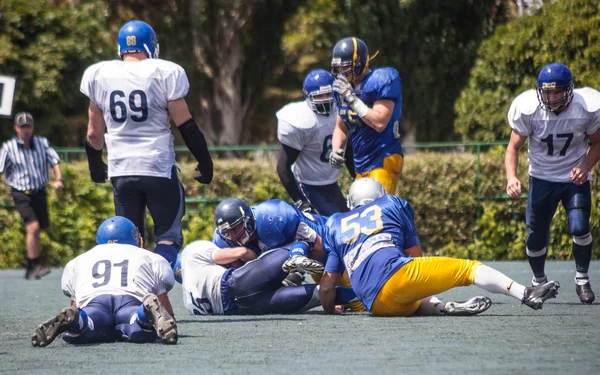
(318,90)
(138,36)
(231,214)
(553,77)
(350,58)
(118,229)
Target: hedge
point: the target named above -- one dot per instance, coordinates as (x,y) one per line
(451,218)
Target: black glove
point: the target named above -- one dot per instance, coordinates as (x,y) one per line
(97,166)
(202,179)
(304,206)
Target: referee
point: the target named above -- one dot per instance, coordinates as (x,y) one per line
(25,158)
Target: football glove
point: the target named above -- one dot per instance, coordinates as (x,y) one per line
(336,158)
(200,178)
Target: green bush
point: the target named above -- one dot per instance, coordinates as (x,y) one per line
(453,218)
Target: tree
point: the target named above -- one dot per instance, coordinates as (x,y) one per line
(229,50)
(507,64)
(47,45)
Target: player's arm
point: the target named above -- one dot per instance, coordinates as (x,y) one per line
(579,174)
(414,251)
(378,116)
(327,291)
(511,160)
(164,299)
(193,138)
(288,156)
(349,154)
(231,254)
(94,141)
(338,144)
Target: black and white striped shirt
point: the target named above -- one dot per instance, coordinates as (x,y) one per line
(27,168)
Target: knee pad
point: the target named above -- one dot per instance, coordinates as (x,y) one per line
(579,222)
(584,240)
(536,241)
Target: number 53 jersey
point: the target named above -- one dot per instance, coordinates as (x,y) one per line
(116,269)
(133,97)
(557,143)
(369,243)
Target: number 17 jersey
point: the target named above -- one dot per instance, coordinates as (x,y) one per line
(133,97)
(116,269)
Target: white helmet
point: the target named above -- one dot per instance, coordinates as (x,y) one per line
(364,190)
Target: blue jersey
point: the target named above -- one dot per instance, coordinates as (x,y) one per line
(369,146)
(277,223)
(369,243)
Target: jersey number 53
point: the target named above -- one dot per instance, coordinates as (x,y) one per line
(367,222)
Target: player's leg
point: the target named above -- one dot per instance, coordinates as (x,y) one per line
(262,274)
(389,174)
(165,199)
(130,201)
(326,199)
(67,318)
(543,200)
(577,201)
(131,323)
(100,325)
(163,322)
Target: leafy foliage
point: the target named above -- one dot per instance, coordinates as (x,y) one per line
(453,216)
(508,63)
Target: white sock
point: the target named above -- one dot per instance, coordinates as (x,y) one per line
(430,306)
(494,281)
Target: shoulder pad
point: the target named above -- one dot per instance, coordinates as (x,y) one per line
(588,98)
(526,103)
(297,114)
(382,77)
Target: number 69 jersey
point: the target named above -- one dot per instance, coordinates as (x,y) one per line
(116,269)
(133,97)
(557,143)
(368,242)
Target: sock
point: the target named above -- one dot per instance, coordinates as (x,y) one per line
(141,319)
(494,281)
(581,280)
(537,261)
(82,324)
(431,306)
(169,252)
(582,252)
(30,263)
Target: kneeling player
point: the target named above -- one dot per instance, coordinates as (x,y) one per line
(118,292)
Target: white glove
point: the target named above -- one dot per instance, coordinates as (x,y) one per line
(336,158)
(344,88)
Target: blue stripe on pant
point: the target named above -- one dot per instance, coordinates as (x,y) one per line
(113,318)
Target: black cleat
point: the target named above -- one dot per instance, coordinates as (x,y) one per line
(473,306)
(585,293)
(535,296)
(46,332)
(293,279)
(162,321)
(37,272)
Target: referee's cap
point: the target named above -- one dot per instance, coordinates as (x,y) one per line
(23,118)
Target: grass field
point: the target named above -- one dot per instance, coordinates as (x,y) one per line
(562,338)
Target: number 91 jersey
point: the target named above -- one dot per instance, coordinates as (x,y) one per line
(116,269)
(133,97)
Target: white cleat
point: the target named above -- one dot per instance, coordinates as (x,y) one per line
(473,306)
(299,263)
(162,321)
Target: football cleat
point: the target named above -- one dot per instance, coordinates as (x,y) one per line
(585,293)
(46,332)
(161,320)
(535,296)
(299,263)
(473,306)
(293,279)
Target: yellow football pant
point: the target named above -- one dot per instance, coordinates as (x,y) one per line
(345,282)
(389,174)
(420,278)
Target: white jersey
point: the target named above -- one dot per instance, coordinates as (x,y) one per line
(557,143)
(201,279)
(300,128)
(133,97)
(116,269)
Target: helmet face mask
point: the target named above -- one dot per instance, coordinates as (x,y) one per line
(555,87)
(363,191)
(318,91)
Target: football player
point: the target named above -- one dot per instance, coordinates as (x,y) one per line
(305,129)
(558,121)
(212,288)
(273,224)
(371,243)
(132,99)
(118,292)
(369,103)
